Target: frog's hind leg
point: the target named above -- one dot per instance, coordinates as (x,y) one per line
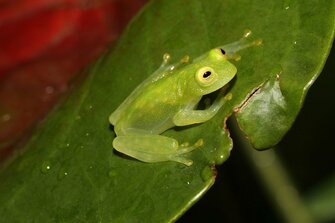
(186,149)
(153,148)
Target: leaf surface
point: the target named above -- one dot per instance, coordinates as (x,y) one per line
(69,171)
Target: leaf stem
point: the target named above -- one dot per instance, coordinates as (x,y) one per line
(275,179)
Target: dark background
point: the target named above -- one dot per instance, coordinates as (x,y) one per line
(306,152)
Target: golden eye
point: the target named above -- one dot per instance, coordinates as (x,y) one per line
(205,76)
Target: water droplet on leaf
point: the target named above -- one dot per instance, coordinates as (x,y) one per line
(62,173)
(46,166)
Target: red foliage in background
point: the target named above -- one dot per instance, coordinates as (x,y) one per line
(43,44)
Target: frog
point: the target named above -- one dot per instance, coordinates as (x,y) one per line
(169,98)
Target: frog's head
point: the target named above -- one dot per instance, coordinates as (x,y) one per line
(213,71)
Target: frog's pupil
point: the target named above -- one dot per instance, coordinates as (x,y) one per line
(206,74)
(223,52)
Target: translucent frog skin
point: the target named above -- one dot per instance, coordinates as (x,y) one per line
(166,99)
(169,98)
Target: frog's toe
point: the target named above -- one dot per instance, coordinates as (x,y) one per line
(166,58)
(185,144)
(182,160)
(186,148)
(185,59)
(199,143)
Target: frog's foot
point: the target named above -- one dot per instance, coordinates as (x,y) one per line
(185,148)
(185,144)
(182,160)
(166,62)
(243,43)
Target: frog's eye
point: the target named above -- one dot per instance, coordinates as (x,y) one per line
(222,51)
(205,76)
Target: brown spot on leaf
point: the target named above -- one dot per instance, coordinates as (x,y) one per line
(249,96)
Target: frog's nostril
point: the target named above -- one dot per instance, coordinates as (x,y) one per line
(222,51)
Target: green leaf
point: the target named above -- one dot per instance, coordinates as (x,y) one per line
(69,171)
(297,47)
(265,116)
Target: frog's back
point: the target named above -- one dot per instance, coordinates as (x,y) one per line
(116,115)
(158,75)
(152,109)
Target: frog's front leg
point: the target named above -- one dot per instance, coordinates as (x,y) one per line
(190,116)
(153,148)
(232,48)
(166,67)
